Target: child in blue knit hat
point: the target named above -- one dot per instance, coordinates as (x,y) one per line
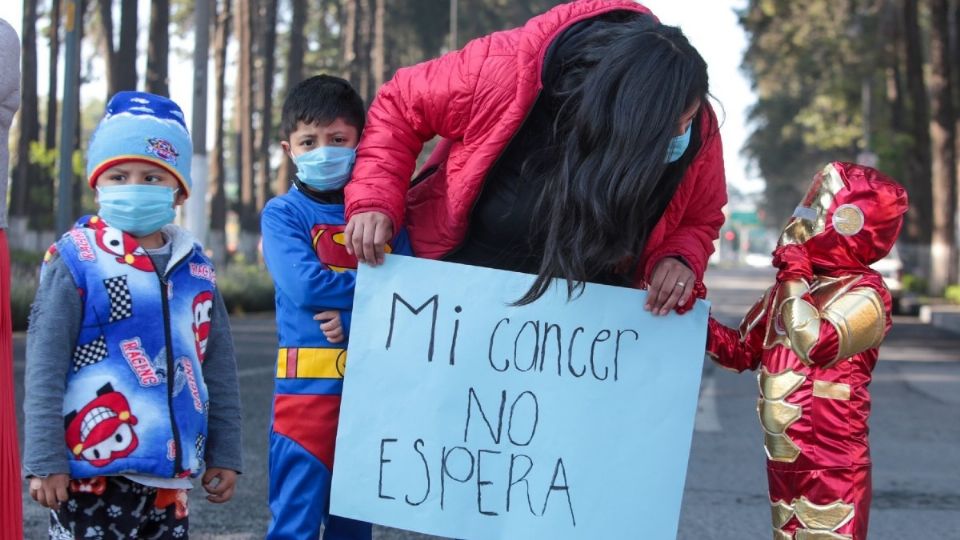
(131,382)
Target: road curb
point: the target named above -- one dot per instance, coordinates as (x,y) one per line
(946,317)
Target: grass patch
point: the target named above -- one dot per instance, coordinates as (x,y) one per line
(23,289)
(952,294)
(246,288)
(914,284)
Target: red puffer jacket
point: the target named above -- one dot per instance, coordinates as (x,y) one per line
(476,99)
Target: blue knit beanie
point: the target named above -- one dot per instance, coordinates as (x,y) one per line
(138,126)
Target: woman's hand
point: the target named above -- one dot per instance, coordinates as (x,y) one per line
(670,285)
(366,235)
(332,326)
(50,491)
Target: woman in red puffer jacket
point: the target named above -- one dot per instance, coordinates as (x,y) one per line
(579,146)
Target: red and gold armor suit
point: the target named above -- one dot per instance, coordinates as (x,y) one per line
(814,336)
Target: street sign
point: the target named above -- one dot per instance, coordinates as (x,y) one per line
(744,218)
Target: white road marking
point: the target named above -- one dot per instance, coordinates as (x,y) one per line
(707,419)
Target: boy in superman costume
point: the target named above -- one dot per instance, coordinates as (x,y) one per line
(314,279)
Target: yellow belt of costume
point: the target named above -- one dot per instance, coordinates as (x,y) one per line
(310,363)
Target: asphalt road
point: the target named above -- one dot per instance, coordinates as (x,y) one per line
(915,437)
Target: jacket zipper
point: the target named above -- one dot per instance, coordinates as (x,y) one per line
(171,372)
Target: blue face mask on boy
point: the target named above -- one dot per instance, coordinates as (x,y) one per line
(137,209)
(678,145)
(326,168)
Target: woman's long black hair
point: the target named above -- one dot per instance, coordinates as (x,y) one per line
(619,87)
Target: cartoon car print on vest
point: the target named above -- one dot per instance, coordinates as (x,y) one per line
(328,242)
(202,311)
(159,364)
(123,246)
(103,430)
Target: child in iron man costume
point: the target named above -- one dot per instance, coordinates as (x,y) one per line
(814,335)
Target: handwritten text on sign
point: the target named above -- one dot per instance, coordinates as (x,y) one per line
(464,416)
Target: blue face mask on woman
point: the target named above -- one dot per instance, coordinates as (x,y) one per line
(137,209)
(678,145)
(326,168)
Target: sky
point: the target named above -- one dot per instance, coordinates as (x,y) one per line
(711,26)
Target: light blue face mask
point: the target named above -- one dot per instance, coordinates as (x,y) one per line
(678,145)
(137,209)
(326,168)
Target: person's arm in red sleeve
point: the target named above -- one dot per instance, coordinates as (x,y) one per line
(692,241)
(420,102)
(741,349)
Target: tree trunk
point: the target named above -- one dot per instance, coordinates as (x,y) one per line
(105,11)
(50,138)
(955,52)
(955,80)
(919,224)
(125,59)
(378,48)
(79,183)
(22,189)
(454,25)
(349,39)
(43,185)
(195,215)
(298,45)
(943,146)
(121,61)
(243,114)
(362,43)
(268,46)
(893,58)
(159,48)
(218,199)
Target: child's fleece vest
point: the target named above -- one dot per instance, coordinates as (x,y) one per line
(135,399)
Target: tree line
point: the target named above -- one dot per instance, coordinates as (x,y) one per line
(867,80)
(258,50)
